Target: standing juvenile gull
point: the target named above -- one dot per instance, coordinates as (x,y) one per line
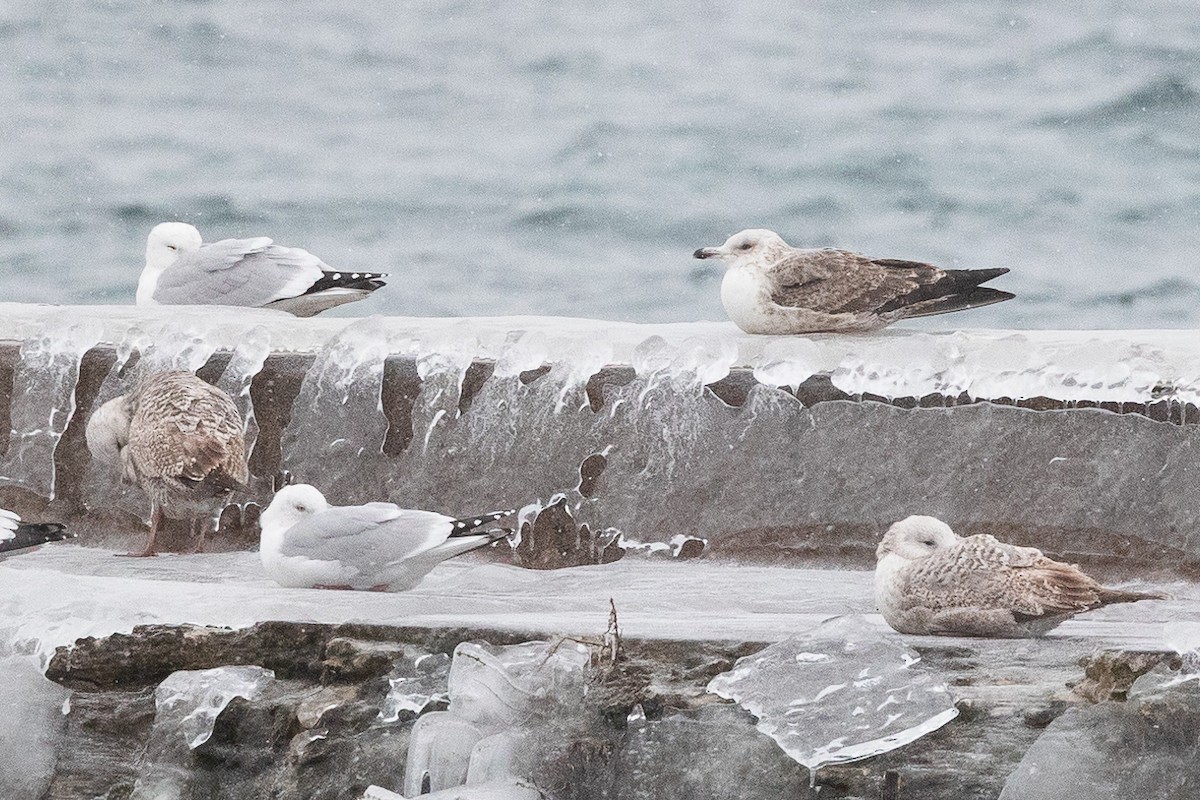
(180,270)
(771,287)
(929,580)
(178,438)
(17,536)
(307,543)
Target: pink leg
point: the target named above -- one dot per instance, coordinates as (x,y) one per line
(200,526)
(156,517)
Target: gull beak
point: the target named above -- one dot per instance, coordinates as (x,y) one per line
(707,252)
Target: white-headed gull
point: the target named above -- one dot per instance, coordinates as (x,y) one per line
(306,542)
(181,270)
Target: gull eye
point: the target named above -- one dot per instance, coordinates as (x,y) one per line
(929,542)
(301,507)
(745,245)
(172,247)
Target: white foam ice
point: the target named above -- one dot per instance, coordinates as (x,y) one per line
(838,693)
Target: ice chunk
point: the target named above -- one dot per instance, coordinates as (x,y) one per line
(43,400)
(32,723)
(246,361)
(414,684)
(495,692)
(841,692)
(187,705)
(189,701)
(790,362)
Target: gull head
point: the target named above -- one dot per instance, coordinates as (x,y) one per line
(290,505)
(107,430)
(916,537)
(167,241)
(753,246)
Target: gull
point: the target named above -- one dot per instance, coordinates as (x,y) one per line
(929,580)
(771,287)
(17,536)
(180,270)
(178,438)
(308,543)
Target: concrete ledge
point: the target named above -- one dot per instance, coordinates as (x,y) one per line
(770,448)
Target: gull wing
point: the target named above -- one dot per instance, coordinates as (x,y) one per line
(239,272)
(982,572)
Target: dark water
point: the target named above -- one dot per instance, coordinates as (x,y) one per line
(519,157)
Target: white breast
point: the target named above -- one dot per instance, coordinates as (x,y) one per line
(745,295)
(147,283)
(889,581)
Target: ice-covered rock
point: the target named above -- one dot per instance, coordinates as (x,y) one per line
(840,692)
(1145,747)
(187,705)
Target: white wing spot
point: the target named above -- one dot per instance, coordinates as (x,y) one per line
(337,276)
(478,522)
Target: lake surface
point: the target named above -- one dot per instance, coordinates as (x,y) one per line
(526,158)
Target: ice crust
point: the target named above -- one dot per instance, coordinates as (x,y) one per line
(840,692)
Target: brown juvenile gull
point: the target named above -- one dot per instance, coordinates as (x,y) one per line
(308,543)
(773,288)
(180,270)
(178,438)
(929,580)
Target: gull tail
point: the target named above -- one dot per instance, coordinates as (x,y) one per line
(465,526)
(28,535)
(1108,596)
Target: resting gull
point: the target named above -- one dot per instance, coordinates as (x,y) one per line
(929,580)
(773,288)
(180,270)
(178,438)
(17,536)
(307,543)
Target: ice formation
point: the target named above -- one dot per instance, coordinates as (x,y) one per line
(417,680)
(840,692)
(44,399)
(187,704)
(495,694)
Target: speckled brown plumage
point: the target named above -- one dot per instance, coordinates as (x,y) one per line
(931,581)
(184,445)
(771,287)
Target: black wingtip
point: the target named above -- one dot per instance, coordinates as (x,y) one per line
(29,535)
(367,281)
(464,526)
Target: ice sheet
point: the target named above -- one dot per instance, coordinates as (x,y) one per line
(841,692)
(55,595)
